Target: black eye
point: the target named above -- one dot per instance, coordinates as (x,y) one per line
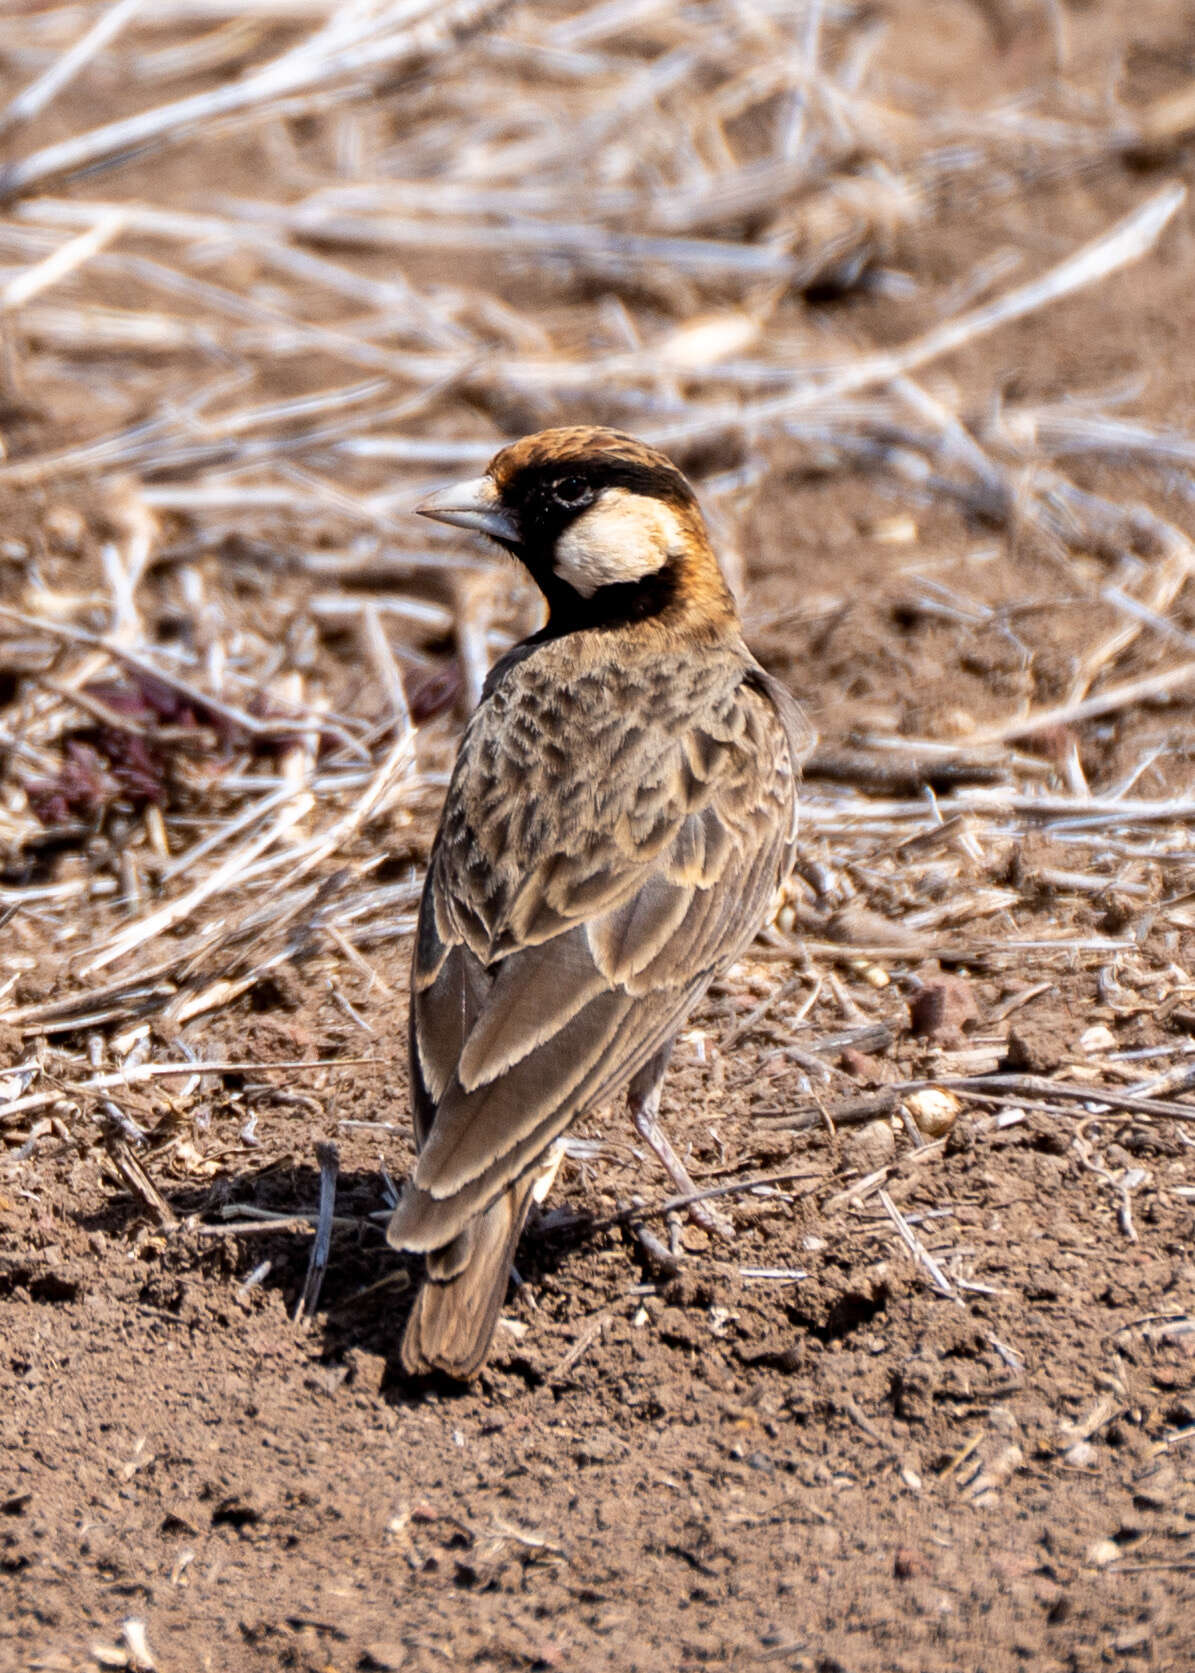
(572,491)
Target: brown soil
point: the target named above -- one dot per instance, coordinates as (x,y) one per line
(796,1450)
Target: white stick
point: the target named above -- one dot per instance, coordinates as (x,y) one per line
(176,910)
(39,93)
(294,72)
(1123,244)
(1143,690)
(62,262)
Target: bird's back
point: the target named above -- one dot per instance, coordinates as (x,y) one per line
(610,843)
(581,766)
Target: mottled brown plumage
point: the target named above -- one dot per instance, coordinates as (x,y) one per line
(621,813)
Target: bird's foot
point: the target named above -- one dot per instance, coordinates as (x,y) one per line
(702,1214)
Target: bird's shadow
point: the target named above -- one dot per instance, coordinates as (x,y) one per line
(367,1287)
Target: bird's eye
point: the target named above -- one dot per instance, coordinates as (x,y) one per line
(571,491)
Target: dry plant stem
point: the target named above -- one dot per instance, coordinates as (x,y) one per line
(158,670)
(321,61)
(40,93)
(856,1113)
(1001,1087)
(255,1228)
(777,997)
(863,1188)
(1148,617)
(146,929)
(580,1347)
(386,668)
(278,1217)
(660,1258)
(398,1280)
(140,1073)
(328,1157)
(63,262)
(1165,579)
(138,1181)
(918,1250)
(1125,243)
(712,1193)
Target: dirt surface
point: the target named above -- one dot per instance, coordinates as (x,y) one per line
(933,1409)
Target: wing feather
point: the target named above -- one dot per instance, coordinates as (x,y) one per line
(623,941)
(475,1126)
(537,992)
(424,1221)
(620,934)
(449,994)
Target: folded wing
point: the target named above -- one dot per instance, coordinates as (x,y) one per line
(507,1050)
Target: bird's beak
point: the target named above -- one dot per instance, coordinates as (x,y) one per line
(473,505)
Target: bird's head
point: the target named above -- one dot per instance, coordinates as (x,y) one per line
(608,527)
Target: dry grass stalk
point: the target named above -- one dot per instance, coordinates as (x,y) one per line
(35,98)
(329,1167)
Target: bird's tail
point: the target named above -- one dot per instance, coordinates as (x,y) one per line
(456,1311)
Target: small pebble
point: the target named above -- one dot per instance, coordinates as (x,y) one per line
(933,1110)
(1103,1552)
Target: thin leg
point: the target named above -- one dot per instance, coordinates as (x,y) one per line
(643,1101)
(544,1175)
(546,1169)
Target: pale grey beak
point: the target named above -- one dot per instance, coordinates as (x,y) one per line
(473,505)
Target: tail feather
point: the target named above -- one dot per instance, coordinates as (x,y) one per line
(456,1311)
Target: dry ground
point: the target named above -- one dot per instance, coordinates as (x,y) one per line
(933,1410)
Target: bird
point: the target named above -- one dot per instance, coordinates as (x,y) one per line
(620,816)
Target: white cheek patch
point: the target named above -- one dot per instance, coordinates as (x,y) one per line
(622,537)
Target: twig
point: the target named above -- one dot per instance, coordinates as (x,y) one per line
(763,1009)
(660,1257)
(64,261)
(999,1087)
(138,1181)
(918,1250)
(643,1211)
(295,72)
(1148,688)
(853,1113)
(582,1345)
(34,99)
(328,1157)
(138,1073)
(1123,244)
(255,1228)
(174,912)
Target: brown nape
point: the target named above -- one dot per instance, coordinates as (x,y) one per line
(702,594)
(703,571)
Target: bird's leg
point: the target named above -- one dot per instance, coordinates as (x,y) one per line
(544,1174)
(546,1169)
(643,1101)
